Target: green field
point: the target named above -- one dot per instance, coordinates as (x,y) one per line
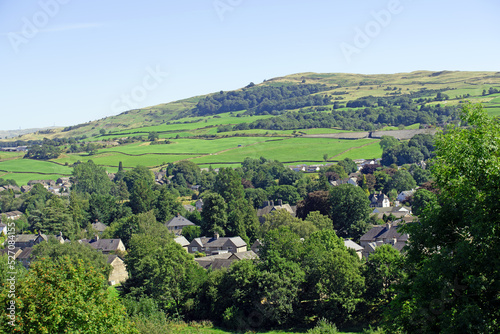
(11,155)
(24,170)
(290,150)
(415,126)
(33,166)
(177,121)
(222,152)
(24,178)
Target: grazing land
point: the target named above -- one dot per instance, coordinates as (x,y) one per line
(225,138)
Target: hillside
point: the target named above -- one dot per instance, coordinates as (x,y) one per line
(345,87)
(305,118)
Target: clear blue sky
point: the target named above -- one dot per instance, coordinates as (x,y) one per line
(65,62)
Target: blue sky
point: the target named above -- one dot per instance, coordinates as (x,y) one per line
(65,62)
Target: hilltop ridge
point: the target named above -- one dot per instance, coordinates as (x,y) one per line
(342,86)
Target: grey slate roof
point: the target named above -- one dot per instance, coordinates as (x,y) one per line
(111,258)
(106,245)
(25,237)
(99,227)
(219,242)
(26,254)
(182,241)
(179,221)
(351,244)
(268,209)
(384,232)
(248,255)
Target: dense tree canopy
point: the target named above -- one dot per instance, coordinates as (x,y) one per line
(350,208)
(452,262)
(61,296)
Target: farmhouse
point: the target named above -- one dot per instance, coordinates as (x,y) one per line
(405,195)
(217,245)
(119,272)
(13,215)
(352,245)
(106,246)
(379,200)
(383,234)
(269,207)
(25,257)
(176,224)
(224,260)
(99,227)
(183,242)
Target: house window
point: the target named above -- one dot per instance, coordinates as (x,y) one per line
(194,249)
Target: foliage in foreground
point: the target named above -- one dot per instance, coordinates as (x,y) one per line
(64,297)
(453,261)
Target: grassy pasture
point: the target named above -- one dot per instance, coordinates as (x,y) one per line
(224,119)
(415,126)
(33,166)
(24,178)
(287,150)
(188,146)
(11,155)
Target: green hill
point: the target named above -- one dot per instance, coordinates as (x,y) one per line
(345,87)
(294,119)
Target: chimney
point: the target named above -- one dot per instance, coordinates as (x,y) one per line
(178,214)
(272,203)
(280,202)
(96,237)
(216,235)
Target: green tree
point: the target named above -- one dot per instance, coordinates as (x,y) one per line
(382,272)
(321,222)
(143,223)
(279,284)
(191,232)
(422,199)
(452,260)
(76,251)
(401,181)
(90,178)
(161,269)
(388,142)
(333,277)
(166,205)
(55,218)
(142,197)
(91,148)
(420,175)
(257,196)
(153,136)
(62,296)
(214,214)
(189,170)
(289,177)
(139,173)
(350,209)
(349,165)
(282,217)
(288,194)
